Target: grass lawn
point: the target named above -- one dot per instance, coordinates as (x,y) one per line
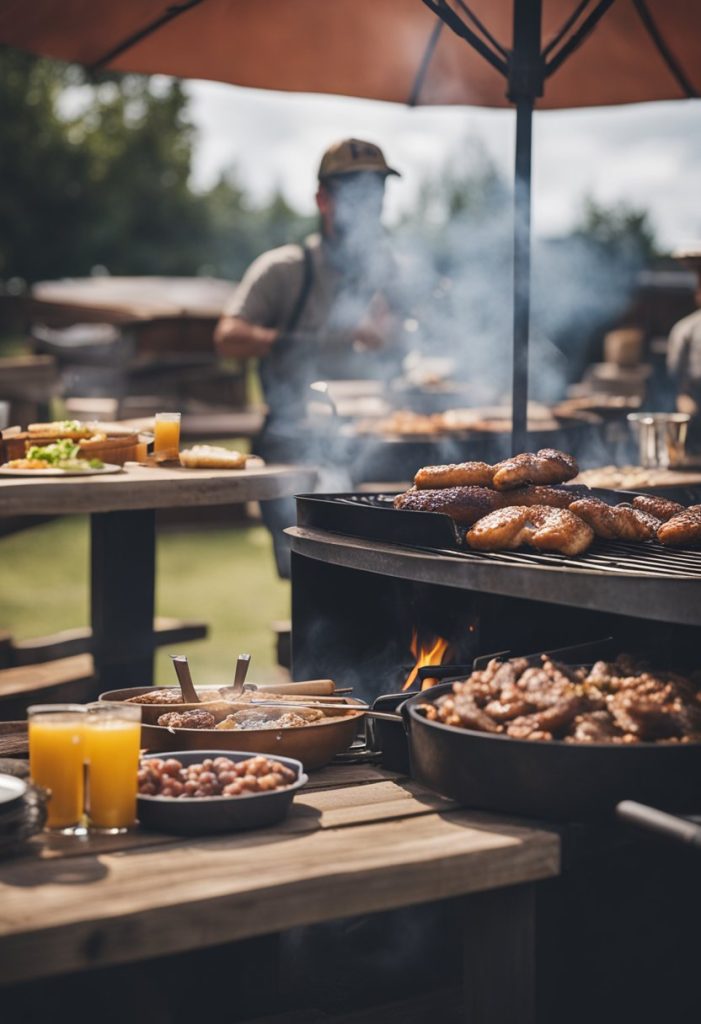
(224,576)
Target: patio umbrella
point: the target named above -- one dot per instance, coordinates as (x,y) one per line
(544,53)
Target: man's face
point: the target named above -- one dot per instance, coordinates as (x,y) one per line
(352,206)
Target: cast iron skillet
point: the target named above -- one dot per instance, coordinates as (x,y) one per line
(555,780)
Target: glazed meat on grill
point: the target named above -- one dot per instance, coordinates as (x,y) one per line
(661,508)
(463,504)
(547,466)
(616,522)
(613,702)
(539,527)
(462,474)
(682,530)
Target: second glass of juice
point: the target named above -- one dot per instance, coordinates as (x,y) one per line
(112,744)
(56,757)
(166,436)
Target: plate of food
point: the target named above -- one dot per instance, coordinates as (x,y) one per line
(60,458)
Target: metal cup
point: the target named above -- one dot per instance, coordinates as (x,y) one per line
(661,438)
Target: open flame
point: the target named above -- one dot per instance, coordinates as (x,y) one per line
(426,652)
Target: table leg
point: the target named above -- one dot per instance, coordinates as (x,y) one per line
(123,570)
(499,955)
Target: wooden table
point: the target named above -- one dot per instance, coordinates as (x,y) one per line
(122,511)
(358,840)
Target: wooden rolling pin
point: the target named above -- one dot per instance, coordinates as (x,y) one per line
(312,687)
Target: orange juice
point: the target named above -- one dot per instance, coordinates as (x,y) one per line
(166,435)
(56,753)
(112,754)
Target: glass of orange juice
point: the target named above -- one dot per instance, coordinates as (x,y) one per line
(112,744)
(56,762)
(166,436)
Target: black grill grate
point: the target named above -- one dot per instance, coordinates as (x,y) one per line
(618,558)
(651,560)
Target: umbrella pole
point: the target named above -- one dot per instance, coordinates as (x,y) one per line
(522,274)
(525,82)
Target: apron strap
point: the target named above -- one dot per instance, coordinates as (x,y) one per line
(307,281)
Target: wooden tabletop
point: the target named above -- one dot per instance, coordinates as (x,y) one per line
(147,487)
(358,839)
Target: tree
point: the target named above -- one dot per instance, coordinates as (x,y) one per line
(109,185)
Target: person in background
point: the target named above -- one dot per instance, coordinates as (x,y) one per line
(328,309)
(684,357)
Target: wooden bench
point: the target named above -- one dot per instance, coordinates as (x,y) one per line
(60,681)
(60,667)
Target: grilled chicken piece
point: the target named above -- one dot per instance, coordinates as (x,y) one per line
(546,466)
(533,495)
(540,527)
(660,508)
(462,474)
(463,504)
(682,530)
(616,522)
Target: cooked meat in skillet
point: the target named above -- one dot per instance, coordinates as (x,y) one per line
(463,474)
(194,719)
(617,702)
(538,526)
(546,466)
(660,508)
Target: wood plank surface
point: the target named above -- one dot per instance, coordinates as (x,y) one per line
(149,487)
(344,852)
(28,678)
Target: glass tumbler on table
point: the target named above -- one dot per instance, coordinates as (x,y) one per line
(166,436)
(112,744)
(56,761)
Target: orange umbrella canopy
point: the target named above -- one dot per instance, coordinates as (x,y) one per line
(639,50)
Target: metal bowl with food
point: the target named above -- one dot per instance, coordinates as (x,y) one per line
(200,815)
(322,735)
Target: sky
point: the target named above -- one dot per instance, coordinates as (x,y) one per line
(647,155)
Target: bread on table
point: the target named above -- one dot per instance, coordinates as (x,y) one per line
(208,456)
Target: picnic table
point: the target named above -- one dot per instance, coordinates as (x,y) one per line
(358,840)
(122,509)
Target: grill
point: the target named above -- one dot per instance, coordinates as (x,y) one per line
(364,531)
(356,515)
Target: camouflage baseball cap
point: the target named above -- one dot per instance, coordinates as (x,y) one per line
(351,155)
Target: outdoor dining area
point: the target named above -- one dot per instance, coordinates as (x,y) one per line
(349,669)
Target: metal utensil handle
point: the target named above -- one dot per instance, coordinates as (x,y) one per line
(386,716)
(670,825)
(187,687)
(242,664)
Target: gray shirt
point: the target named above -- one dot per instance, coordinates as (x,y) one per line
(684,354)
(320,345)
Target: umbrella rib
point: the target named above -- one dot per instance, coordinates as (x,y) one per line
(559,36)
(172,11)
(418,83)
(664,51)
(449,16)
(576,40)
(482,28)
